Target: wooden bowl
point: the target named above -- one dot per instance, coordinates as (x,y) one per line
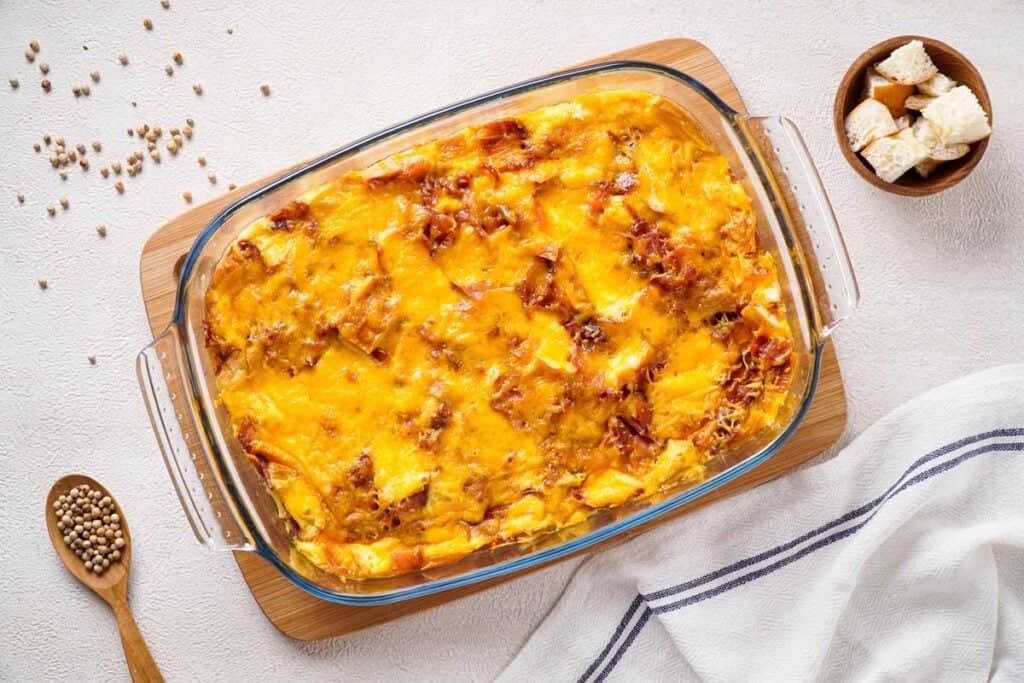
(851,93)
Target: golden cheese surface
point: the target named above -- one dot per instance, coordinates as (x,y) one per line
(490,336)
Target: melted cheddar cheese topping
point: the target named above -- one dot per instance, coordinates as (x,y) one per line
(491,335)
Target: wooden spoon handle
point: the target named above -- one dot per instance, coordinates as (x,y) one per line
(140,662)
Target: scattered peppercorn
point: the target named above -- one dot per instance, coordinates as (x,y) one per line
(101,230)
(43,284)
(166,4)
(169,70)
(123,59)
(265,89)
(119,186)
(212,177)
(86,89)
(198,89)
(34,45)
(178,59)
(46,85)
(92,360)
(44,68)
(21,198)
(231,186)
(30,56)
(64,203)
(201,159)
(52,210)
(148,24)
(190,122)
(14,82)
(187,196)
(36,146)
(95,75)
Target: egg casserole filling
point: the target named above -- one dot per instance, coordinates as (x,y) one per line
(492,335)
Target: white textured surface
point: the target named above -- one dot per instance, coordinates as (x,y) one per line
(942,278)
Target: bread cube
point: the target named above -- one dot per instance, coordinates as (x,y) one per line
(892,95)
(894,155)
(918,102)
(925,168)
(908,65)
(939,84)
(868,121)
(958,117)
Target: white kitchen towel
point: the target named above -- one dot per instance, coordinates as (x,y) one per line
(901,559)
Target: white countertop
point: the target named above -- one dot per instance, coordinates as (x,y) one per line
(942,278)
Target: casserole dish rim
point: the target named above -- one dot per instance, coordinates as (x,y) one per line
(191,374)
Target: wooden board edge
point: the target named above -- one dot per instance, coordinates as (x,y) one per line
(254,567)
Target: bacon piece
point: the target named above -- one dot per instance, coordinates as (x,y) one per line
(410,504)
(772,351)
(249,250)
(247,432)
(361,474)
(508,395)
(406,559)
(410,174)
(537,289)
(502,132)
(475,487)
(429,437)
(588,334)
(439,232)
(496,217)
(218,347)
(289,216)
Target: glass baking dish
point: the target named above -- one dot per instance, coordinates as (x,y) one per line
(230,507)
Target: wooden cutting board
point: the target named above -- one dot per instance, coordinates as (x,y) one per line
(301,616)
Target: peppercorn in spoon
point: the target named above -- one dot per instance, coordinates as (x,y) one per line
(90,534)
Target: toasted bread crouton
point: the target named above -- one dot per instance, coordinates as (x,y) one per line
(925,133)
(958,117)
(868,121)
(918,102)
(938,151)
(925,168)
(902,122)
(892,95)
(909,64)
(939,84)
(894,155)
(949,152)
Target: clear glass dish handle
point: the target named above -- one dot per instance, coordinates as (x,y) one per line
(186,453)
(835,285)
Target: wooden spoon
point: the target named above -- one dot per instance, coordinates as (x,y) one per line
(111,585)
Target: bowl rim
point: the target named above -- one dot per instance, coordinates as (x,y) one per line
(853,79)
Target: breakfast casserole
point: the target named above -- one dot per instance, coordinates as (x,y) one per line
(491,336)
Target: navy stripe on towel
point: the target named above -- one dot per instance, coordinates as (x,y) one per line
(901,484)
